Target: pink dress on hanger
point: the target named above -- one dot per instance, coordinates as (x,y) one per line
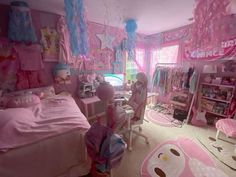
(64,42)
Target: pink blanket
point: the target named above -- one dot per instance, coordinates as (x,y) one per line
(54,116)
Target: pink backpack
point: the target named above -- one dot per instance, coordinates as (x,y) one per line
(104,147)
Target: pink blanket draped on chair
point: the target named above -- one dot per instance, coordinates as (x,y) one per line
(138,98)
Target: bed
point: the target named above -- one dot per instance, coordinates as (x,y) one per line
(45,139)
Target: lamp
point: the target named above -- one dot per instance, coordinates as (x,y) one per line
(209,69)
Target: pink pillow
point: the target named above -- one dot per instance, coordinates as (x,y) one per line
(23,101)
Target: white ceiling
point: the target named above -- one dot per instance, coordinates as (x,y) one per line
(152,16)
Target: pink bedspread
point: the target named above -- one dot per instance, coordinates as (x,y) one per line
(54,116)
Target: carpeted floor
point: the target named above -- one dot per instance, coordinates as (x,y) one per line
(221,149)
(132,161)
(159,118)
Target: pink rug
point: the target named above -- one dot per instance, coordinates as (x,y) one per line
(179,158)
(159,118)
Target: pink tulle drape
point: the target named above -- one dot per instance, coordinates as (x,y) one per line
(206,29)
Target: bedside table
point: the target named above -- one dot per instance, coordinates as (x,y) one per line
(89,105)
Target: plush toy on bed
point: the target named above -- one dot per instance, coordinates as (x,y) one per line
(62,74)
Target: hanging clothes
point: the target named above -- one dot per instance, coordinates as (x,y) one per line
(65,55)
(177,78)
(28,79)
(168,79)
(193,82)
(160,77)
(30,57)
(189,74)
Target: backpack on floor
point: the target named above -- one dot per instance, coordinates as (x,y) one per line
(104,147)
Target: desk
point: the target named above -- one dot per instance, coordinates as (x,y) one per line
(92,101)
(151,97)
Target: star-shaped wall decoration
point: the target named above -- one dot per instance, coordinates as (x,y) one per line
(106,40)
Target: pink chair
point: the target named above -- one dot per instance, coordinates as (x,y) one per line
(227,126)
(135,108)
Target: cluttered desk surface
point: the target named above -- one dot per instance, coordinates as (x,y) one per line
(129,93)
(118,94)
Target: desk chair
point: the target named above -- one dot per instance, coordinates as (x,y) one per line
(135,108)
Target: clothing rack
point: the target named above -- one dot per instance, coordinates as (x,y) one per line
(189,64)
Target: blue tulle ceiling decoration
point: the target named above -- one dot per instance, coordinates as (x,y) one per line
(83,42)
(131,27)
(76,23)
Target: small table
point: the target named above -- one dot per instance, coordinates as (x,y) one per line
(91,101)
(151,98)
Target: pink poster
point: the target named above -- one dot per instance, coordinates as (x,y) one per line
(103,59)
(227,49)
(50,41)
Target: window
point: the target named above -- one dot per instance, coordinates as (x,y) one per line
(164,55)
(139,59)
(136,65)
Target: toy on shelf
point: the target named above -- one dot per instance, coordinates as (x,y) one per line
(86,90)
(180,100)
(228,81)
(217,98)
(217,93)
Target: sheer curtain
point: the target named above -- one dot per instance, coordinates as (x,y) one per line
(168,54)
(136,65)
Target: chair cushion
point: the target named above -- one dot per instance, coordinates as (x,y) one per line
(227,126)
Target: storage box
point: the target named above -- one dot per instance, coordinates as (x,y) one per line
(180,114)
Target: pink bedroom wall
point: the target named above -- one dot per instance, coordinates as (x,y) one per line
(42,19)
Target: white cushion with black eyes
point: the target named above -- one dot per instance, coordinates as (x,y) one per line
(167,161)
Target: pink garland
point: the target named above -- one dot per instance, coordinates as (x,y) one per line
(206,30)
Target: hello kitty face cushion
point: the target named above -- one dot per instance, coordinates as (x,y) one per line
(181,157)
(159,164)
(23,101)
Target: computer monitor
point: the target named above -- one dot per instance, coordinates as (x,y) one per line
(116,80)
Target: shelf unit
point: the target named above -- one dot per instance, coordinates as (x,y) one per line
(219,85)
(214,98)
(221,115)
(182,96)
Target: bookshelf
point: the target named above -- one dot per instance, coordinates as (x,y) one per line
(216,98)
